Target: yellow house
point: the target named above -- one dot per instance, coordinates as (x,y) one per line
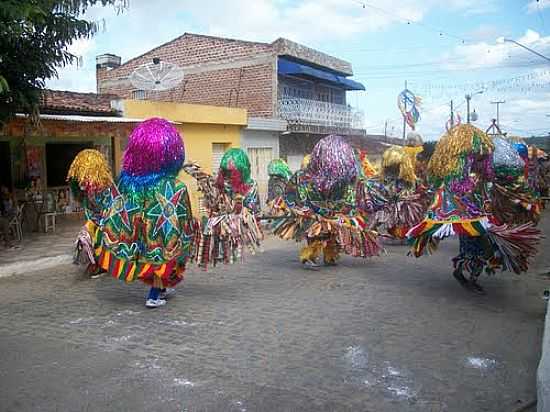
(207,131)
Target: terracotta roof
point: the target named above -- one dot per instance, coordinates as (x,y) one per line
(67,102)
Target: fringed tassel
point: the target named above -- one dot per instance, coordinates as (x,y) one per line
(428,233)
(224,238)
(515,245)
(351,233)
(84,248)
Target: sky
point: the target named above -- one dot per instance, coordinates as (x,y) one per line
(443,49)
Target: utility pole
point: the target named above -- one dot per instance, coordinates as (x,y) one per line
(386,131)
(468,98)
(498,103)
(452,116)
(405,117)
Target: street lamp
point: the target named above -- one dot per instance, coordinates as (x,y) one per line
(502,40)
(468,98)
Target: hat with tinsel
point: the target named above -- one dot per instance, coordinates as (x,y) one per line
(333,163)
(398,163)
(155,150)
(90,172)
(455,149)
(235,170)
(279,168)
(506,159)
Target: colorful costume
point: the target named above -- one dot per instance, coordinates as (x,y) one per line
(402,193)
(461,168)
(146,227)
(232,203)
(91,182)
(279,175)
(514,200)
(323,208)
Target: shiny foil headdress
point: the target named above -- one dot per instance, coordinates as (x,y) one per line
(454,147)
(332,163)
(155,150)
(90,172)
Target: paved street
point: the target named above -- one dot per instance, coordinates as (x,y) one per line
(387,334)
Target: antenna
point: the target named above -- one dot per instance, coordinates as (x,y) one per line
(156,75)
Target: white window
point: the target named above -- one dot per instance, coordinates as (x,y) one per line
(138,95)
(218,149)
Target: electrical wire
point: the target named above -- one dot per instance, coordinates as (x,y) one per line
(407,21)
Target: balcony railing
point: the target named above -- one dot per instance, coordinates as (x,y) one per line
(318,113)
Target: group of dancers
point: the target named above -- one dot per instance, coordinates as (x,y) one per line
(485,190)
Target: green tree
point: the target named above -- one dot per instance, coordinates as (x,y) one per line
(34,40)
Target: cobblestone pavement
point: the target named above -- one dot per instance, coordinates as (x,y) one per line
(387,334)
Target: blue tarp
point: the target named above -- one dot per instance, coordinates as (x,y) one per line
(290,67)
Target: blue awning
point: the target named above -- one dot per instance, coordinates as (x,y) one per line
(290,67)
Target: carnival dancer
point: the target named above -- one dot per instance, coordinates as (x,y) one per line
(403,193)
(513,199)
(91,182)
(321,199)
(461,169)
(146,223)
(279,175)
(232,204)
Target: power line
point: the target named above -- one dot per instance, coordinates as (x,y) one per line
(407,21)
(405,73)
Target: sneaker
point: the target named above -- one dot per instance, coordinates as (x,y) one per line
(155,303)
(311,265)
(168,292)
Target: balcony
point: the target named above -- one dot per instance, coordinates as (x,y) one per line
(313,116)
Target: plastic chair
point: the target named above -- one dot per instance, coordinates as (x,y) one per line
(50,213)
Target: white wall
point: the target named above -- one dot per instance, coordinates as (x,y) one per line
(260,138)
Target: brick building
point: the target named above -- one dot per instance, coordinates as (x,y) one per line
(294,95)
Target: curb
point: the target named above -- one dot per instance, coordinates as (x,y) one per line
(34,265)
(543,371)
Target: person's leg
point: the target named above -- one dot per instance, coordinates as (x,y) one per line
(310,253)
(153,298)
(330,253)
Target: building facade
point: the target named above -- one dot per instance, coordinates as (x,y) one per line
(207,132)
(278,83)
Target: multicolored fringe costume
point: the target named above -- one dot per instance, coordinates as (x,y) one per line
(401,192)
(514,200)
(146,228)
(279,175)
(462,168)
(232,203)
(91,182)
(322,202)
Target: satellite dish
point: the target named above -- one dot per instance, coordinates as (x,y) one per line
(156,75)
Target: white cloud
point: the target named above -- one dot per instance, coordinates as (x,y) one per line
(492,54)
(535,5)
(473,7)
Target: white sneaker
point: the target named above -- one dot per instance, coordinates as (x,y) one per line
(154,303)
(167,293)
(311,265)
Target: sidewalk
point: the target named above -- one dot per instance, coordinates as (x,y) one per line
(41,250)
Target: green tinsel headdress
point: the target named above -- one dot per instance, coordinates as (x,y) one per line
(235,169)
(278,167)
